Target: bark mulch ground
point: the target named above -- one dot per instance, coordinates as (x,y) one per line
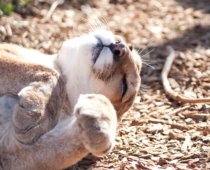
(157,132)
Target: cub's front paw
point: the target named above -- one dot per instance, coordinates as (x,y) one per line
(29,116)
(97,121)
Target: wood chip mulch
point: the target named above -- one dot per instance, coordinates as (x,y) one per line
(157,132)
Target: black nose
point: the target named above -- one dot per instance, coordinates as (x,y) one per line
(118,49)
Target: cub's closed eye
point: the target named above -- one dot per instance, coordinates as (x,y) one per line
(117,42)
(124,86)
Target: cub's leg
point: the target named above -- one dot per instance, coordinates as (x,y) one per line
(41,92)
(91,129)
(96,119)
(37,110)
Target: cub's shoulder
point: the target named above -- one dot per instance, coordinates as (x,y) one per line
(10,51)
(13,51)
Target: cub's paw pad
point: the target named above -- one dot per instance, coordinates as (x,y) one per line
(97,121)
(26,127)
(31,100)
(28,116)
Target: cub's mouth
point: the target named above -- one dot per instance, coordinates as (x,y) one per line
(117,49)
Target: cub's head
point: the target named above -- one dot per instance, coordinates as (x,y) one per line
(101,63)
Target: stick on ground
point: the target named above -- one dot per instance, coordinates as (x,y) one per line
(164,77)
(53,7)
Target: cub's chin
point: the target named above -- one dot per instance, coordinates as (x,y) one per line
(101,63)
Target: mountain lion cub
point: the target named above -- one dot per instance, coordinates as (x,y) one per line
(54,109)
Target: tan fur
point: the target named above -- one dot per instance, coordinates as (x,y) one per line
(41,94)
(130,67)
(42,129)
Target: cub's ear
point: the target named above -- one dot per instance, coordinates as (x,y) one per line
(130,47)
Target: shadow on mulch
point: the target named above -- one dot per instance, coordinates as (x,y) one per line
(192,38)
(197,36)
(196,4)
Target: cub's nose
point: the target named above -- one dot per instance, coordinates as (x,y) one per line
(118,49)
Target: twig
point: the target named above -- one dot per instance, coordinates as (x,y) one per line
(3,30)
(9,30)
(156,121)
(53,7)
(186,143)
(179,126)
(196,116)
(175,111)
(164,76)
